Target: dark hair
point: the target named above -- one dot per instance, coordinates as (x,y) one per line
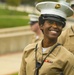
(45,17)
(41,20)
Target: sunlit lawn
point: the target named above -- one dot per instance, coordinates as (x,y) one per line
(15,74)
(12,18)
(12,12)
(13,22)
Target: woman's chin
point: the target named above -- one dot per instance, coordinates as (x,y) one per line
(53,37)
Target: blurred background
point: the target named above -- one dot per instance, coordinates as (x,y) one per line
(15,32)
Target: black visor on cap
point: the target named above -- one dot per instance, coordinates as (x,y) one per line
(54,17)
(72,6)
(32,22)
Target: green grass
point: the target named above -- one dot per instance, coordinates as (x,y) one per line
(15,74)
(13,22)
(12,12)
(12,18)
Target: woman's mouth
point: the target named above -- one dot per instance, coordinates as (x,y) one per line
(54,32)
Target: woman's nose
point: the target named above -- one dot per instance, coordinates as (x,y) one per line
(55,25)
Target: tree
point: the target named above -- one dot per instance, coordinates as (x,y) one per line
(13,2)
(30,2)
(46,0)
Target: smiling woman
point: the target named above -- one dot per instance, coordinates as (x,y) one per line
(45,57)
(52,31)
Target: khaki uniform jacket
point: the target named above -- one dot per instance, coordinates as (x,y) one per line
(60,60)
(67,39)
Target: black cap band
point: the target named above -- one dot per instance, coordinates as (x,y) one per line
(54,17)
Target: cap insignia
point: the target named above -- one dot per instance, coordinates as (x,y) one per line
(57,6)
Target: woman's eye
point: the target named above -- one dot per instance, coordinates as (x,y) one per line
(59,24)
(51,22)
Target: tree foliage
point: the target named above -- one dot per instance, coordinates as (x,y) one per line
(13,2)
(34,1)
(31,2)
(46,0)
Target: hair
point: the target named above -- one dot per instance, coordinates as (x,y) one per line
(41,20)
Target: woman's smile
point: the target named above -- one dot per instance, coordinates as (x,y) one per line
(53,32)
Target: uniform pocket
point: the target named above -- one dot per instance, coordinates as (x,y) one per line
(55,72)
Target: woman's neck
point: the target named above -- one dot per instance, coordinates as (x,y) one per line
(48,42)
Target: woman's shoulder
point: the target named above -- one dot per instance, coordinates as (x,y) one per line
(31,46)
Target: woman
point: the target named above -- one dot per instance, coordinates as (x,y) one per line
(47,57)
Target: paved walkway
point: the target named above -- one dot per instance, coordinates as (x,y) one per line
(10,63)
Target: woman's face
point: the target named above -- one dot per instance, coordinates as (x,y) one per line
(51,29)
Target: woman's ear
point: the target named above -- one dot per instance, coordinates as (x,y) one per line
(41,27)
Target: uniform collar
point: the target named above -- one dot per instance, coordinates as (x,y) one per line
(46,52)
